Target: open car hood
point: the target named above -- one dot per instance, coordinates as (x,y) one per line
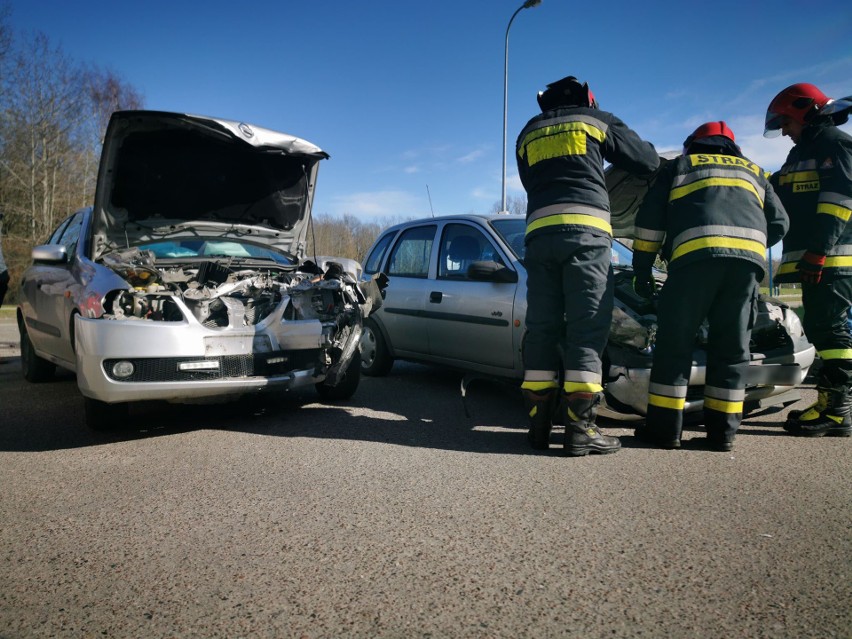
(626,193)
(169,175)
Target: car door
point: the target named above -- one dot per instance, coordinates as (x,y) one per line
(470,321)
(48,291)
(408,290)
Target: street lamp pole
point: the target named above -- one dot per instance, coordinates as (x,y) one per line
(526,5)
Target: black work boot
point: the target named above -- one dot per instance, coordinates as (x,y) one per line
(541,406)
(656,438)
(582,436)
(720,442)
(819,405)
(834,419)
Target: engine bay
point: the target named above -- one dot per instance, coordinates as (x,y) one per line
(226,292)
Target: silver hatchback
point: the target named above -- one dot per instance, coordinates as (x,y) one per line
(457,297)
(188,280)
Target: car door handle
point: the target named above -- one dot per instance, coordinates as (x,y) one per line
(435,297)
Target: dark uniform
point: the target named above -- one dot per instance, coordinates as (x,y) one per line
(712,215)
(815,185)
(560,156)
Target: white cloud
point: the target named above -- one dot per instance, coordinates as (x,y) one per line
(471,157)
(391,203)
(768,153)
(482,193)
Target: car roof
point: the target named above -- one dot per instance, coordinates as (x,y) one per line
(478,218)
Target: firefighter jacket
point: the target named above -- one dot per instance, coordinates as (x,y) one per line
(560,156)
(707,205)
(815,185)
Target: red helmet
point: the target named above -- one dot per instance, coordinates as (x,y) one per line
(708,130)
(800,102)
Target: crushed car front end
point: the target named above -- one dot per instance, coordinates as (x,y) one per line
(781,356)
(203,290)
(211,330)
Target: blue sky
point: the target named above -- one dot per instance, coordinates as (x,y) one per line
(407,97)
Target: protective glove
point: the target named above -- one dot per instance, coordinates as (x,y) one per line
(645,285)
(810,267)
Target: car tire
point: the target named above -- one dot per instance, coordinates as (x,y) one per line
(35,368)
(102,416)
(375,355)
(347,386)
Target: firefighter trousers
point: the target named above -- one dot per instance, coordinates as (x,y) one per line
(724,291)
(826,307)
(569,308)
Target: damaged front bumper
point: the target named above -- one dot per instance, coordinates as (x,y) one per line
(626,392)
(122,361)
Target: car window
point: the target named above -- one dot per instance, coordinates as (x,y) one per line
(621,255)
(513,232)
(461,245)
(377,256)
(212,248)
(410,257)
(54,238)
(71,233)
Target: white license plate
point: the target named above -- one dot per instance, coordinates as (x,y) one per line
(236,345)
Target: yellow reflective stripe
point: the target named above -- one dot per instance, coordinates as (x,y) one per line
(813,414)
(683,191)
(838,260)
(703,159)
(722,406)
(674,403)
(645,245)
(570,218)
(833,209)
(836,353)
(719,242)
(581,387)
(557,140)
(799,176)
(832,261)
(539,386)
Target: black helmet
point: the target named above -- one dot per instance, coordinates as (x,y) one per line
(566,92)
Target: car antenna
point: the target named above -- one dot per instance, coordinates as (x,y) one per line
(430,200)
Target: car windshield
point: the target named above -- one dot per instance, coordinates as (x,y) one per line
(513,230)
(213,248)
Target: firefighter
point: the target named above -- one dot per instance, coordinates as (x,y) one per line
(815,185)
(560,155)
(711,213)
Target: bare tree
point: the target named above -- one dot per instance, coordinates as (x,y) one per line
(44,112)
(105,93)
(345,236)
(514,204)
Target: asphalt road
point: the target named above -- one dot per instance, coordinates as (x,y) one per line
(396,515)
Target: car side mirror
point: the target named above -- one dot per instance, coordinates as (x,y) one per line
(50,254)
(491,272)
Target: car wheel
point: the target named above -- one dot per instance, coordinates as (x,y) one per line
(103,416)
(35,368)
(347,386)
(375,356)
